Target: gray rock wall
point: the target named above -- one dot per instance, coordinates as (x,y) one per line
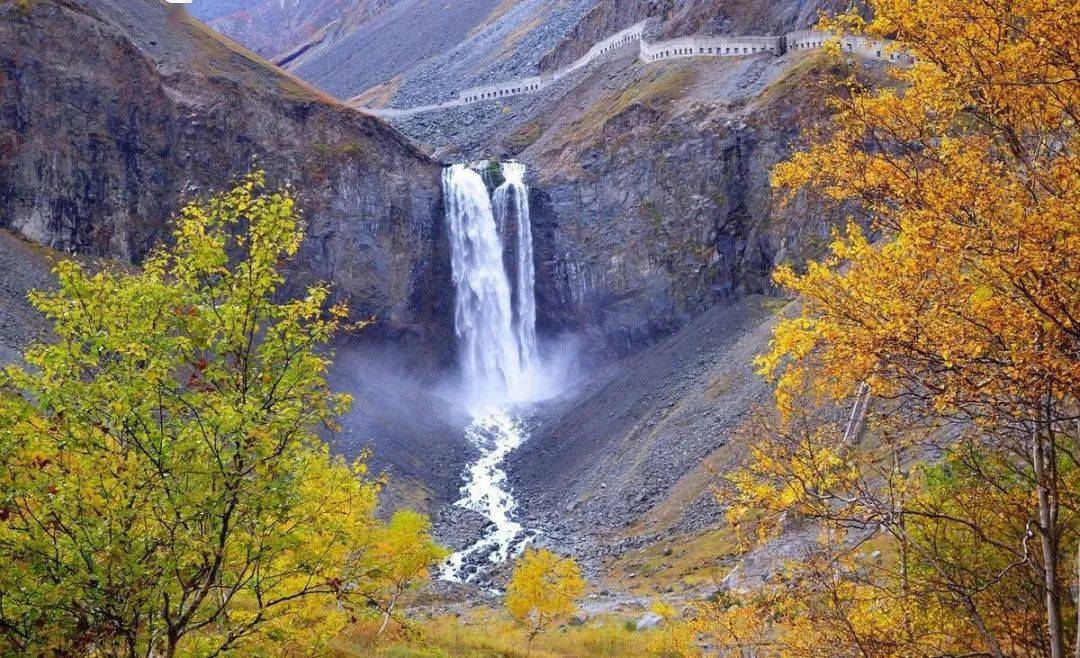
(653,238)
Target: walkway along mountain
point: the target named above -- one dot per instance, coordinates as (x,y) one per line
(691,46)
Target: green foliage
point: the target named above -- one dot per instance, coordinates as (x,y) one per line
(494,172)
(164,488)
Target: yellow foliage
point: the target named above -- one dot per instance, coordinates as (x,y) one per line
(543,588)
(971,182)
(956,293)
(165,490)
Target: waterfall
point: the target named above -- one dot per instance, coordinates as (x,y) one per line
(488,347)
(512,200)
(495,323)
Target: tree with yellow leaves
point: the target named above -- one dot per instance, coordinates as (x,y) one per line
(954,292)
(164,488)
(404,552)
(915,556)
(543,589)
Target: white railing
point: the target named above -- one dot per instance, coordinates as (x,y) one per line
(882,49)
(709,47)
(630,35)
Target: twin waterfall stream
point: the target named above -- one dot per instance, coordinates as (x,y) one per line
(495,322)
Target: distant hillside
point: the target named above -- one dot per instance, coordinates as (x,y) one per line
(683,17)
(368,53)
(276,27)
(397,49)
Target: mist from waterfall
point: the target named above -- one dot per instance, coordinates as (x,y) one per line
(495,323)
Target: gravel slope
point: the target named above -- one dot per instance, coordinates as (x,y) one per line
(23,267)
(618,462)
(395,41)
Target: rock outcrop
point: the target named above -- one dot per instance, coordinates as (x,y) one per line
(114,112)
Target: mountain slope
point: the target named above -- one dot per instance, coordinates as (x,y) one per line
(685,17)
(393,42)
(272,29)
(420,48)
(23,266)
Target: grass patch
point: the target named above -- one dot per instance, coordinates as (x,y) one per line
(498,12)
(719,385)
(348,148)
(815,76)
(490,634)
(377,96)
(801,74)
(524,136)
(775,304)
(662,87)
(689,562)
(512,39)
(654,217)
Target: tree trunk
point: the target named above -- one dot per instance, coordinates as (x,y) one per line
(386,616)
(1045,482)
(1078,601)
(988,637)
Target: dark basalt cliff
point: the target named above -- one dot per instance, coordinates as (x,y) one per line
(114,112)
(653,202)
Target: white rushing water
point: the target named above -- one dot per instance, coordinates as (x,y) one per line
(488,349)
(512,201)
(495,434)
(495,322)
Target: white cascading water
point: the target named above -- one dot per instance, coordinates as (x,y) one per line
(512,199)
(498,348)
(488,349)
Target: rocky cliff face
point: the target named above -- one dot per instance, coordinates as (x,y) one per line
(652,199)
(133,107)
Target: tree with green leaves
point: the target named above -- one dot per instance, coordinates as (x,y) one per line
(164,489)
